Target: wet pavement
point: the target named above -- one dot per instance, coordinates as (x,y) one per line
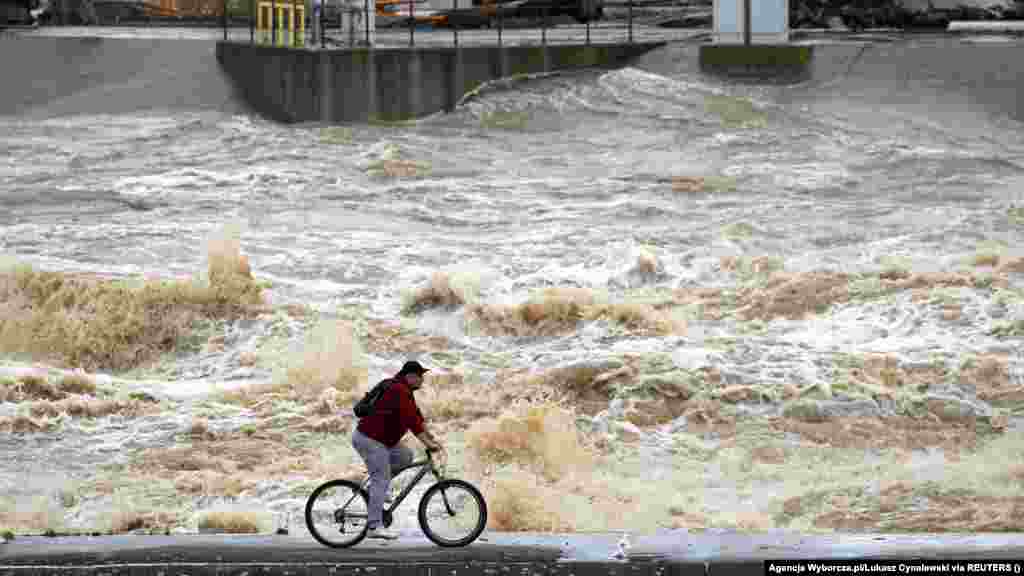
(671,553)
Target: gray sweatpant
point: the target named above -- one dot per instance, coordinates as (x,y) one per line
(380,461)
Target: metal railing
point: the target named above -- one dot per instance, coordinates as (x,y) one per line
(346,23)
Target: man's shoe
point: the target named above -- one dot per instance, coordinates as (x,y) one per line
(382,533)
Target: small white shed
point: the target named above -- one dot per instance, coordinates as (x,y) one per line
(768,21)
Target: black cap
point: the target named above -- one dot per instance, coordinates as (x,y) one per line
(413,367)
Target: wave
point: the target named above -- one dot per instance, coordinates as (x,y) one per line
(590,101)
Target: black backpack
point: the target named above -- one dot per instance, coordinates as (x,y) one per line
(367,405)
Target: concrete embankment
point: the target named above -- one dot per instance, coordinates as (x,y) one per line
(671,553)
(299,85)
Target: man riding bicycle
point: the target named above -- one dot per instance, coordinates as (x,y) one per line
(378,437)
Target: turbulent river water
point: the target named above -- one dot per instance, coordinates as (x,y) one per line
(908,152)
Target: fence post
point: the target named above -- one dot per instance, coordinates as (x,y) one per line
(224,18)
(412,22)
(273,22)
(366,20)
(322,24)
(746,22)
(630,21)
(252,21)
(544,28)
(455,31)
(501,20)
(588,29)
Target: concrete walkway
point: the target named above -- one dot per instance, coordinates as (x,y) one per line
(671,553)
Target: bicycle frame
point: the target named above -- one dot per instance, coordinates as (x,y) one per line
(426,465)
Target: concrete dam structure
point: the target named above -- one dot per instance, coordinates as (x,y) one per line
(302,85)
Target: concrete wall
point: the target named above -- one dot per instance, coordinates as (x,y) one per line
(301,85)
(782,63)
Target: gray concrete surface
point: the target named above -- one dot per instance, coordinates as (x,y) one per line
(671,553)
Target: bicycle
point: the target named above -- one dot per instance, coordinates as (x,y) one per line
(339,507)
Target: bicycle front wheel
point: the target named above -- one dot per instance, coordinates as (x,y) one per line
(336,513)
(452,513)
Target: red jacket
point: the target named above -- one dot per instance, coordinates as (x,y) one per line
(394,414)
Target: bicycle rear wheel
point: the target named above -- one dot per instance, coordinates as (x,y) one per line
(336,513)
(452,513)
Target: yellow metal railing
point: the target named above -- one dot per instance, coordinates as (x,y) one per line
(287,28)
